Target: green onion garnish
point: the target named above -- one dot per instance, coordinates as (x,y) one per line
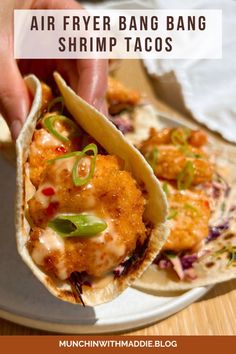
(165,188)
(77,225)
(66,156)
(232,257)
(230,250)
(55,102)
(188,153)
(78,181)
(191,208)
(172,214)
(50,121)
(180,136)
(152,157)
(185,177)
(170,254)
(220,251)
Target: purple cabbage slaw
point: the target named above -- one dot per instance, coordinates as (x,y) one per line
(137,255)
(125,125)
(183,262)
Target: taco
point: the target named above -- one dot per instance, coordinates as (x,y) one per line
(90,214)
(198,176)
(199,184)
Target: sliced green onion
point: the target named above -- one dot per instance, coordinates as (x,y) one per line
(191,208)
(54,102)
(165,188)
(185,177)
(78,181)
(223,207)
(172,214)
(220,251)
(152,157)
(170,254)
(49,123)
(77,225)
(232,257)
(180,136)
(188,153)
(66,156)
(230,250)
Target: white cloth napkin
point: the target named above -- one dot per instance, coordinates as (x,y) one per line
(207,88)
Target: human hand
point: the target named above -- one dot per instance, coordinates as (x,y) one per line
(87,77)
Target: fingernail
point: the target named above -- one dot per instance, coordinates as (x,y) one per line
(15,128)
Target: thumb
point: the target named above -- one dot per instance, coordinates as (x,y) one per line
(14,97)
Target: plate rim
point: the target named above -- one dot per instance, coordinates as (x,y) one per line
(104,326)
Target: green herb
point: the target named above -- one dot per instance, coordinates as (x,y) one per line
(165,188)
(152,157)
(66,156)
(220,251)
(185,177)
(77,225)
(172,214)
(223,206)
(49,123)
(78,181)
(55,102)
(180,136)
(191,208)
(188,153)
(231,251)
(232,257)
(170,254)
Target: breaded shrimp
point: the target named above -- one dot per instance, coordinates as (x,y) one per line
(119,97)
(189,215)
(166,136)
(112,194)
(172,156)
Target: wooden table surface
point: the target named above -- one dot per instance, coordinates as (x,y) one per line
(215,314)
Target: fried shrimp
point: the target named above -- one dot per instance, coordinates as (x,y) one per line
(119,97)
(173,152)
(189,215)
(112,194)
(171,161)
(196,138)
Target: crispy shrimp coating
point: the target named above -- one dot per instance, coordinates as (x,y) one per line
(47,95)
(171,161)
(119,97)
(45,146)
(196,138)
(171,158)
(112,194)
(189,215)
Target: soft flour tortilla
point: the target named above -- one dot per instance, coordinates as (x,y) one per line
(104,132)
(211,268)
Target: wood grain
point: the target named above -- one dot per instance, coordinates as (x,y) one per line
(215,314)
